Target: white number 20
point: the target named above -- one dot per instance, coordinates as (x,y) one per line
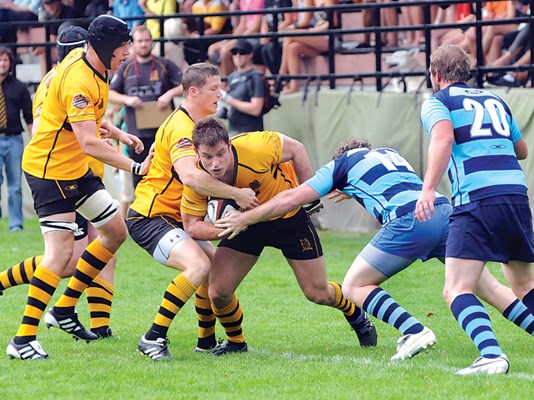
(496,113)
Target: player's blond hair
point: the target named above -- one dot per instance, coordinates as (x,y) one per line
(197,75)
(349,144)
(452,62)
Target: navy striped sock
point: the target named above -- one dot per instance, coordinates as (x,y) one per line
(475,321)
(528,301)
(519,314)
(382,306)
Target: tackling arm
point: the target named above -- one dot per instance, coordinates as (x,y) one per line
(203,183)
(235,221)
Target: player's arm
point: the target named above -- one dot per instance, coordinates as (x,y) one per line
(295,151)
(521,149)
(439,153)
(199,229)
(285,201)
(94,147)
(203,183)
(166,98)
(110,131)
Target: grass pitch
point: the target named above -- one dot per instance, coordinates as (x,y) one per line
(298,350)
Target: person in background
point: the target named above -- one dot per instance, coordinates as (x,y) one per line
(14,99)
(156,8)
(128,9)
(245,96)
(144,78)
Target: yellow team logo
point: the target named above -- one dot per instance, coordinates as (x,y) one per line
(305,245)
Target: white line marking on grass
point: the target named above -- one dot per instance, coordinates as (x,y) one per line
(405,364)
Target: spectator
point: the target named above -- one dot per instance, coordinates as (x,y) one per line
(156,8)
(245,92)
(221,52)
(516,50)
(96,8)
(267,53)
(492,35)
(17,11)
(128,9)
(14,98)
(144,78)
(311,46)
(413,15)
(516,78)
(195,50)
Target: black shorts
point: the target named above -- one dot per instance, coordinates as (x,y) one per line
(57,196)
(295,236)
(82,223)
(147,232)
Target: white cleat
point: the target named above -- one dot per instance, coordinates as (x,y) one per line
(410,345)
(28,351)
(490,366)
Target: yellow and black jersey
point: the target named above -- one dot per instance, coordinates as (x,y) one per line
(96,166)
(160,191)
(257,165)
(76,93)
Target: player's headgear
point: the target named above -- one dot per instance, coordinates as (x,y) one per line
(69,38)
(107,33)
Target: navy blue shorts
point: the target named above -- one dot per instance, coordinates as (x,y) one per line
(295,236)
(495,229)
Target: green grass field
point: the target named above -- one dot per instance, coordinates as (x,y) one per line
(298,350)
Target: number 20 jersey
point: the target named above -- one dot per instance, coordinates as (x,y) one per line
(483,163)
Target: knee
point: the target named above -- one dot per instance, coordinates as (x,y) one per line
(218,297)
(319,296)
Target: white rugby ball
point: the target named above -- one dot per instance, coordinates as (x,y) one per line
(218,207)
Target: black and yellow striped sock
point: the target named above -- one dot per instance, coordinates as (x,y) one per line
(231,318)
(42,287)
(349,309)
(92,261)
(206,319)
(19,274)
(176,295)
(100,298)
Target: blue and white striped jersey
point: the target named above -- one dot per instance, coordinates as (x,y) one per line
(483,162)
(381,180)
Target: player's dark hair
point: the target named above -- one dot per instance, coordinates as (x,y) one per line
(210,131)
(197,75)
(349,144)
(7,50)
(452,62)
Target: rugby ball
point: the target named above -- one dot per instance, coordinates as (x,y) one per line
(218,207)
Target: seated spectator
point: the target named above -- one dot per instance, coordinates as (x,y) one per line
(492,35)
(17,11)
(267,53)
(413,16)
(54,10)
(96,8)
(516,78)
(294,47)
(124,9)
(244,99)
(196,50)
(516,49)
(221,52)
(156,8)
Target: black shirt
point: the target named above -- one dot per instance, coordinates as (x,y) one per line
(17,99)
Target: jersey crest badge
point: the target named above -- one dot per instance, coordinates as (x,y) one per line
(184,143)
(80,102)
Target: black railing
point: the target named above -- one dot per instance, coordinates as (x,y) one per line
(335,36)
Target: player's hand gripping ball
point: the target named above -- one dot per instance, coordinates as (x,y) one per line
(217,208)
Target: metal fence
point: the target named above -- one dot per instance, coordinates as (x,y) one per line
(335,37)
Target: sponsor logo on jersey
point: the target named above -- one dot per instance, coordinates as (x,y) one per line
(254,185)
(71,187)
(80,102)
(498,147)
(184,143)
